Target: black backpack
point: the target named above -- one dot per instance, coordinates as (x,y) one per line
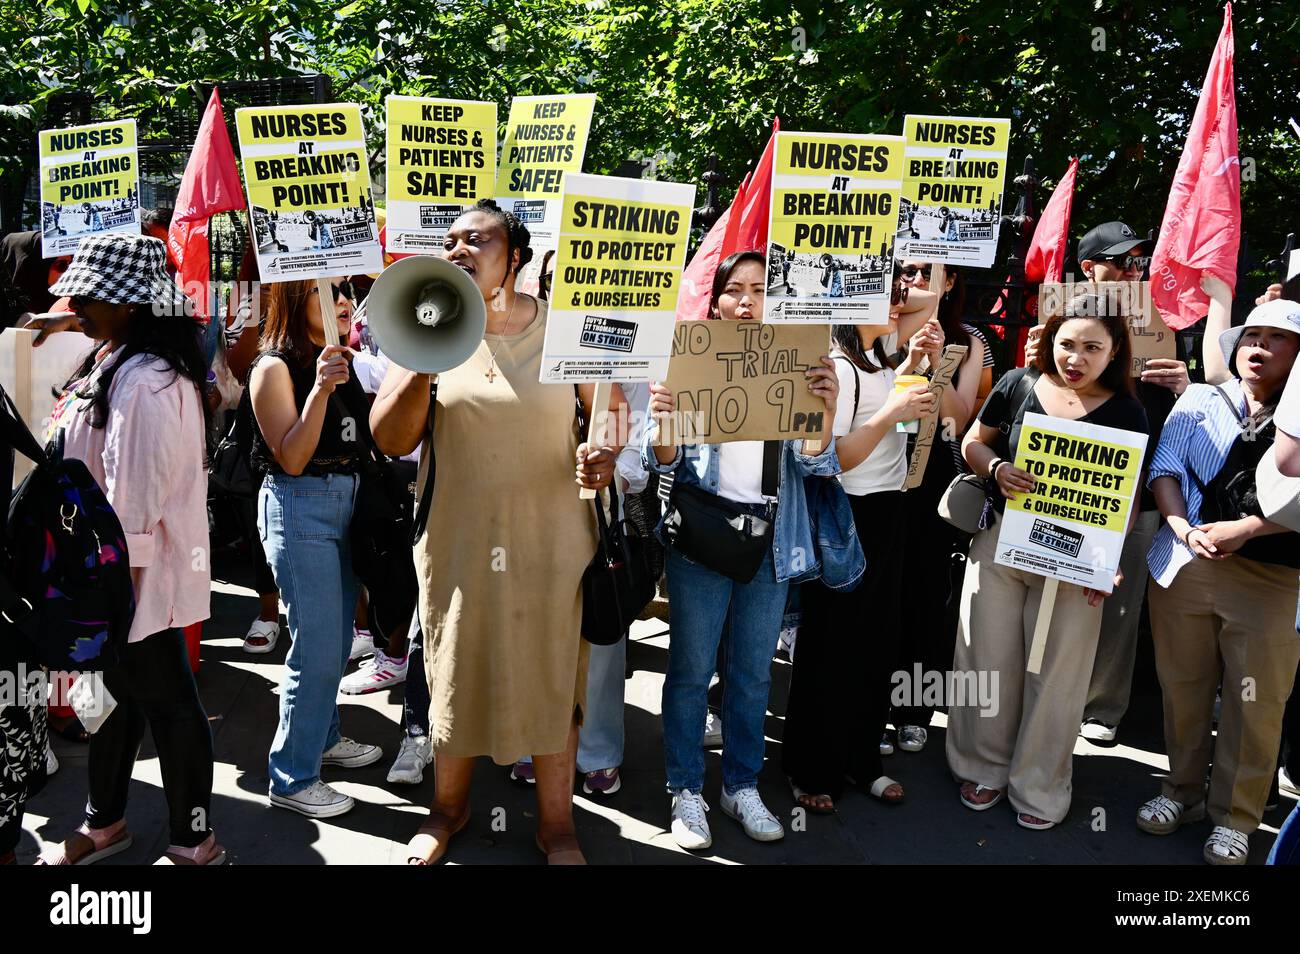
(65,579)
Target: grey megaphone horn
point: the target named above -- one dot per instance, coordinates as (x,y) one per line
(426,314)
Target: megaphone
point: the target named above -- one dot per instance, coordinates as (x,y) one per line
(426,314)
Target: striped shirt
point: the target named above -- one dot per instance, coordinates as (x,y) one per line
(1197,437)
(954,446)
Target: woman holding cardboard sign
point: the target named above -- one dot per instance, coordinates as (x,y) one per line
(757,485)
(1223,588)
(504,545)
(839,693)
(1018,739)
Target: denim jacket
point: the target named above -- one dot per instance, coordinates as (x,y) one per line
(793,552)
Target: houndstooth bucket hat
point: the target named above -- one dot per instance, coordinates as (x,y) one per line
(122,269)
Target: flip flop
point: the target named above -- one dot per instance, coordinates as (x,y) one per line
(564,851)
(800,795)
(433,838)
(79,849)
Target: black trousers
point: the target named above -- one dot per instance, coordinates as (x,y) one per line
(935,553)
(843,660)
(153,683)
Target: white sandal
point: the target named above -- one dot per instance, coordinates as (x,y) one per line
(1226,846)
(262,629)
(1164,816)
(879,786)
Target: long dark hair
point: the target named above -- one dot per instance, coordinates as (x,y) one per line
(952,304)
(723,274)
(174,339)
(847,339)
(1116,377)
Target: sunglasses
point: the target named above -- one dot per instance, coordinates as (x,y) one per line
(1127,262)
(345,288)
(898,295)
(909,271)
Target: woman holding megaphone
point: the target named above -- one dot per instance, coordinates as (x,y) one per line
(504,544)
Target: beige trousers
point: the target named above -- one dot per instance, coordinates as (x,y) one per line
(1231,622)
(1025,746)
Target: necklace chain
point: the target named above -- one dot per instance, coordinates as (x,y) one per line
(490,374)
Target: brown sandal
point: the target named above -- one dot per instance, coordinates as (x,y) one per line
(433,838)
(79,849)
(564,850)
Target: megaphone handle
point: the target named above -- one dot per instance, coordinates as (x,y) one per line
(329,323)
(596,426)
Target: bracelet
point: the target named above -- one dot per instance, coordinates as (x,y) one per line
(993,468)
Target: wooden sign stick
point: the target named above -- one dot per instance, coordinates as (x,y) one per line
(596,426)
(949,362)
(1041,625)
(328,320)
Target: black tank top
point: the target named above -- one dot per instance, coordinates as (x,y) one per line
(335,453)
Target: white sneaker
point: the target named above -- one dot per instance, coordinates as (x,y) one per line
(378,672)
(316,801)
(415,753)
(886,747)
(264,629)
(690,828)
(712,731)
(1094,730)
(363,644)
(912,738)
(51,760)
(349,754)
(747,808)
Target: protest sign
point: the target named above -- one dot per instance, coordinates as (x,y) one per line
(953,178)
(90,184)
(744,381)
(617,276)
(441,159)
(1072,526)
(831,228)
(1148,333)
(308,182)
(546,137)
(949,361)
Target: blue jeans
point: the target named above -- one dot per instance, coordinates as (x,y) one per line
(303,523)
(703,603)
(600,740)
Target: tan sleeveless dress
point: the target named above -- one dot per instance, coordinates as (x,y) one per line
(501,563)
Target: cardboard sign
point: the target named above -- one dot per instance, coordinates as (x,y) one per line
(954,175)
(90,184)
(441,159)
(308,181)
(546,137)
(834,206)
(31,376)
(744,381)
(949,361)
(1071,527)
(1149,335)
(618,272)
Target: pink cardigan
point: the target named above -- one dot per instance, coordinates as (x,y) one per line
(149,459)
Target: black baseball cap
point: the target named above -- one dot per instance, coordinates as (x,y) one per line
(1110,238)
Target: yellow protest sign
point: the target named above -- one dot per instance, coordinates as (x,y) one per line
(954,176)
(1071,527)
(831,228)
(441,159)
(90,184)
(744,380)
(1149,336)
(308,182)
(617,276)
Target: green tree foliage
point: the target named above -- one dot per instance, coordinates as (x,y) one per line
(1114,81)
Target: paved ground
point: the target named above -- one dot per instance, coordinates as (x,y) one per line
(931,827)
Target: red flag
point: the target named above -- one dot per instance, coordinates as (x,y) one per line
(210,185)
(1045,260)
(1201,230)
(739,228)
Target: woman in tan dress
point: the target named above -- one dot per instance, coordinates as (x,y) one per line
(507,540)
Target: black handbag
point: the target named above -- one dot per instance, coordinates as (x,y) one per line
(619,582)
(720,534)
(232,470)
(379,536)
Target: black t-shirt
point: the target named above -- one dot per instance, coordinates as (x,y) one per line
(1123,411)
(1232,495)
(333,454)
